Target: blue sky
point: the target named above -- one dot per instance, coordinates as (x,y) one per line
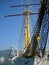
(10,28)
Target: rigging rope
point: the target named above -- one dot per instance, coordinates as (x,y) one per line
(22,29)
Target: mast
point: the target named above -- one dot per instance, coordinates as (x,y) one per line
(27,14)
(27,38)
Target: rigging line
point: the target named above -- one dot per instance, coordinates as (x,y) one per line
(34,9)
(21,33)
(33,29)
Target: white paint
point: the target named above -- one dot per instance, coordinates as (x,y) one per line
(2,59)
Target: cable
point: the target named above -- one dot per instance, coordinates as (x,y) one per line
(22,29)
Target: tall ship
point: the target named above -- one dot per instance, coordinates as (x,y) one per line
(35,41)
